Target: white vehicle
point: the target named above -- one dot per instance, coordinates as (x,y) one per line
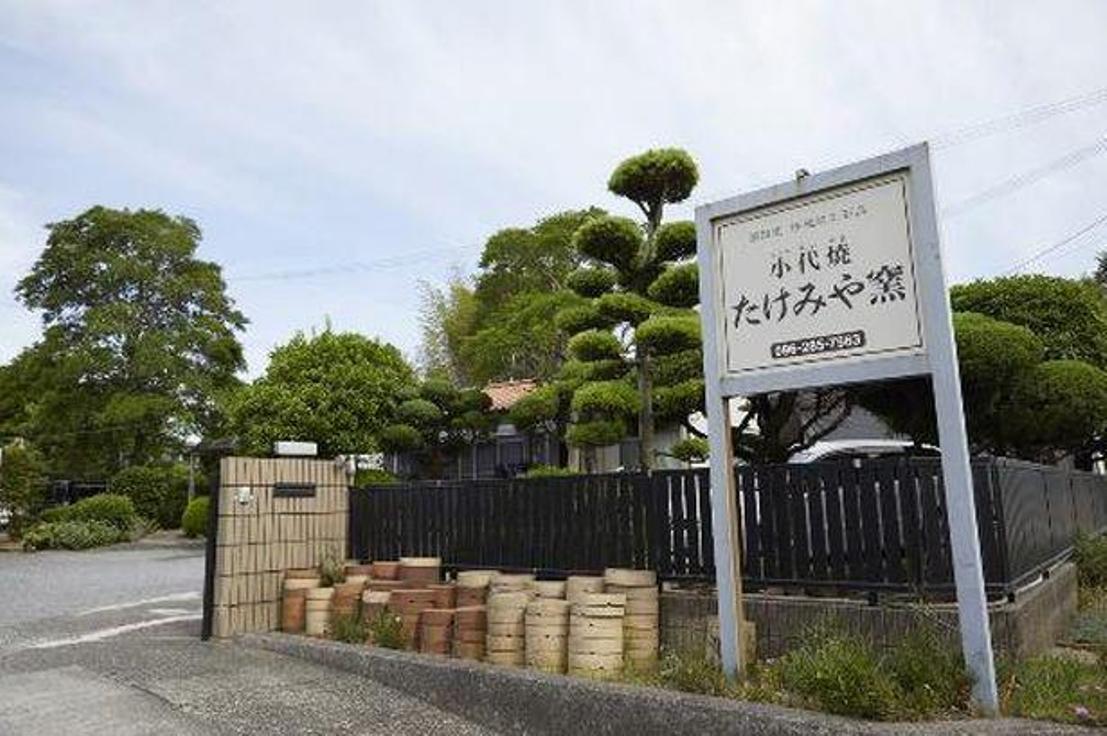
(854,452)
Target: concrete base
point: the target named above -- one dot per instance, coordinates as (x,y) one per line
(514,700)
(1028,626)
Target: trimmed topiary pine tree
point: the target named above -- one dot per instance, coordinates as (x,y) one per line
(635,351)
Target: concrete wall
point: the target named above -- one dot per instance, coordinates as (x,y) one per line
(260,536)
(1028,626)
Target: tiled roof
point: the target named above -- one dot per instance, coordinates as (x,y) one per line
(504,394)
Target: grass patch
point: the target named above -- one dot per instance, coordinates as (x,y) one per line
(386,630)
(1056,688)
(349,629)
(1090,556)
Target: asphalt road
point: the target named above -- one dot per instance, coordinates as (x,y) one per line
(107,642)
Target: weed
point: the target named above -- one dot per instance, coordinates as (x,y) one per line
(693,674)
(332,570)
(349,628)
(1057,688)
(1090,555)
(386,630)
(929,673)
(840,674)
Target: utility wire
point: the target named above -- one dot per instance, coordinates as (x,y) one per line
(1021,119)
(379,264)
(1053,248)
(1027,178)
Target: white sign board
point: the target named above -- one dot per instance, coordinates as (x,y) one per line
(829,280)
(825,277)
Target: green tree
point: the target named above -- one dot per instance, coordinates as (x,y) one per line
(22,485)
(640,291)
(1015,403)
(520,339)
(447,316)
(1069,316)
(336,389)
(529,260)
(139,342)
(435,420)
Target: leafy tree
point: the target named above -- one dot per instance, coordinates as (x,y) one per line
(530,260)
(638,311)
(1014,403)
(446,316)
(519,340)
(500,324)
(337,389)
(139,341)
(435,420)
(1068,315)
(22,485)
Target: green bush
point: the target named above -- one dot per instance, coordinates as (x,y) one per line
(690,450)
(839,674)
(595,345)
(591,282)
(598,433)
(694,674)
(548,471)
(160,493)
(108,508)
(73,535)
(606,397)
(373,477)
(22,486)
(194,521)
(1091,560)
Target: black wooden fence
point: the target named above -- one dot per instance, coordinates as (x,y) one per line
(878,527)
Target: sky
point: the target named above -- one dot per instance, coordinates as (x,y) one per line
(336,154)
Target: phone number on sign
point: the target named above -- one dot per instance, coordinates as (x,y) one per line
(821,344)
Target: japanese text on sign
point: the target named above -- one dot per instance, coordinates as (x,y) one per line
(822,278)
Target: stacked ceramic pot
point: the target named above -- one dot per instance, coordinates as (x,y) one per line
(578,585)
(445,595)
(470,632)
(421,570)
(547,634)
(374,603)
(436,630)
(596,635)
(294,600)
(385,570)
(549,588)
(317,618)
(472,587)
(641,632)
(409,605)
(506,640)
(505,583)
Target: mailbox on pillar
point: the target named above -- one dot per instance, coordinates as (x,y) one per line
(834,279)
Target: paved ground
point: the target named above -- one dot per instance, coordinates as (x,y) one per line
(106,642)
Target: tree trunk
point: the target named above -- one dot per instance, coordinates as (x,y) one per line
(645,414)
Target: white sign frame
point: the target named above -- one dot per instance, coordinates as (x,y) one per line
(937,358)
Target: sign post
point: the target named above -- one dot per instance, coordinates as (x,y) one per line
(828,280)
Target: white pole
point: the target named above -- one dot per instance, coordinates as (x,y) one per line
(968,573)
(726,517)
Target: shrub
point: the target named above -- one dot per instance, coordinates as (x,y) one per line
(607,397)
(373,477)
(839,674)
(677,286)
(595,345)
(690,450)
(108,508)
(595,434)
(1091,560)
(614,240)
(591,282)
(22,486)
(159,493)
(194,521)
(548,471)
(666,335)
(73,535)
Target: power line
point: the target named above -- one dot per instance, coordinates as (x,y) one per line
(1027,178)
(349,267)
(1052,248)
(1021,119)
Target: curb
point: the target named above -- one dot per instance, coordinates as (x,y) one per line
(525,701)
